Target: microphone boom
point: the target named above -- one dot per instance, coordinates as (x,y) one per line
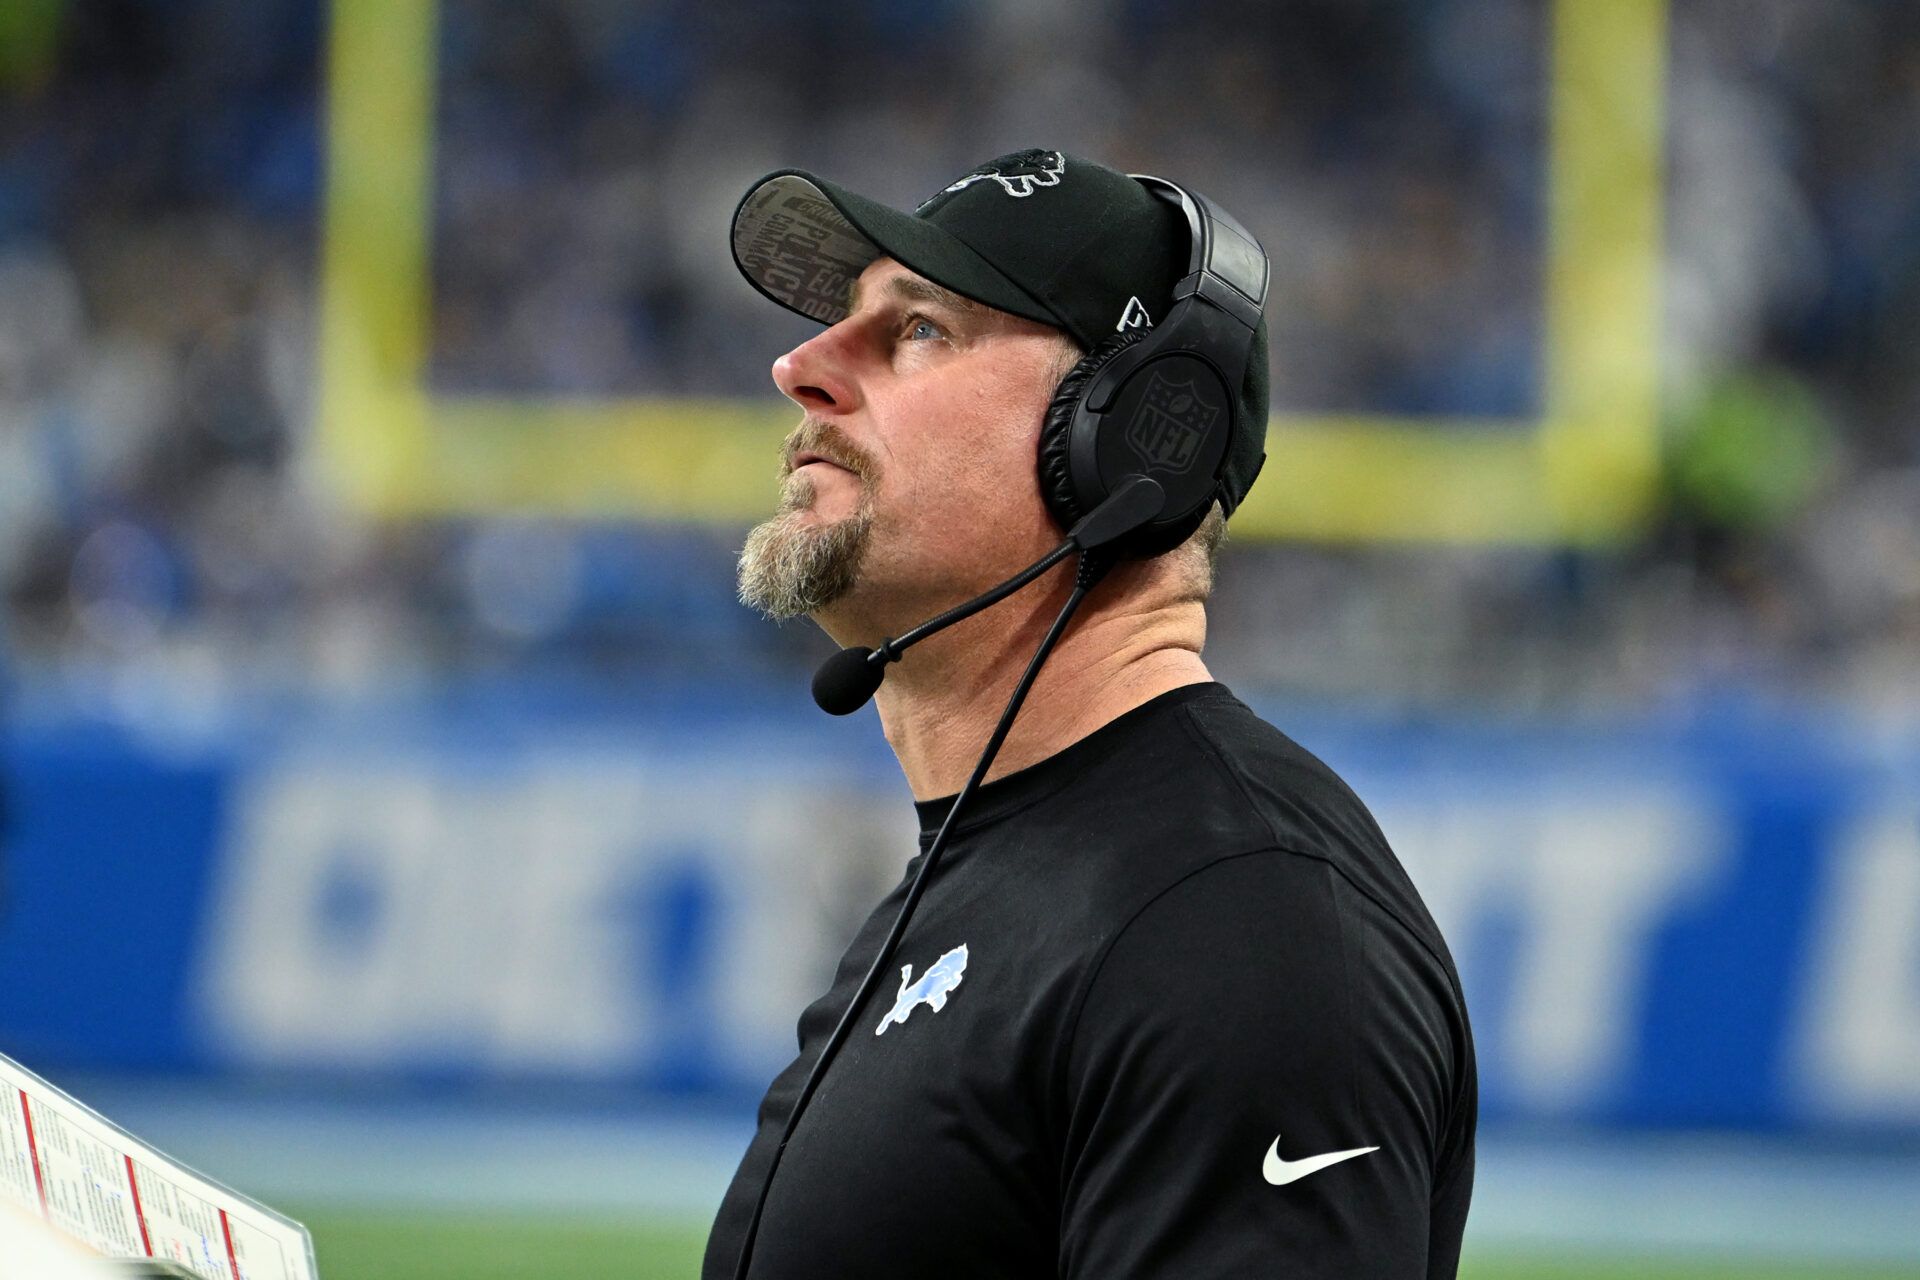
(846,681)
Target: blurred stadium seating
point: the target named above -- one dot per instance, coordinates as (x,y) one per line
(338,795)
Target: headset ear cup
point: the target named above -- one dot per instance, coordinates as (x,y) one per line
(1056,429)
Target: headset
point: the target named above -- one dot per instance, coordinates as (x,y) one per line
(1135,448)
(1165,401)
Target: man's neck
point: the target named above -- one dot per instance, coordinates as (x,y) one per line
(941,703)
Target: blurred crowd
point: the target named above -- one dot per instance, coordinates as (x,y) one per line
(162,525)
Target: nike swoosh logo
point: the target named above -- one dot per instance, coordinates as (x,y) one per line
(1280,1172)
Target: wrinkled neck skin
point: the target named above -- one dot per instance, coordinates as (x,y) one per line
(1135,637)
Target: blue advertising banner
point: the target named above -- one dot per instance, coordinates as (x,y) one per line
(1709,924)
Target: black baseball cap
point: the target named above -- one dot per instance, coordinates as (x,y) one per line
(1041,234)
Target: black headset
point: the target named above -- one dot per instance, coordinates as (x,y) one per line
(1165,401)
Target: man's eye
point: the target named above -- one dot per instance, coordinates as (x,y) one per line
(920,329)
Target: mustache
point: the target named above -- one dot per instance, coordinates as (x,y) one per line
(825,440)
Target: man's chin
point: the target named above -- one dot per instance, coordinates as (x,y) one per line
(800,563)
(820,515)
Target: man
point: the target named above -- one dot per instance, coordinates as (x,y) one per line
(1169,1006)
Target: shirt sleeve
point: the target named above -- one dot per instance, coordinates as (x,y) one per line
(1264,1081)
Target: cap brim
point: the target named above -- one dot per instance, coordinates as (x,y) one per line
(803,241)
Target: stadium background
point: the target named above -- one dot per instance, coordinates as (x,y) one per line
(402,821)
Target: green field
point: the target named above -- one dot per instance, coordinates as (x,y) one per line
(508,1247)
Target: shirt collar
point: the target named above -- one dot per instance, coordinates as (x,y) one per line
(1003,797)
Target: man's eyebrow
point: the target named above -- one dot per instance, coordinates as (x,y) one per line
(914,289)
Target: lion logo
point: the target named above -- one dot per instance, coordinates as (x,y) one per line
(935,985)
(1020,174)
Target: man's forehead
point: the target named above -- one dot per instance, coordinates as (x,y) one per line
(887,277)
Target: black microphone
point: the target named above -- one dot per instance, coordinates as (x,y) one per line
(846,681)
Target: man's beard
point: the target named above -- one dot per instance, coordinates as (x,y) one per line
(792,566)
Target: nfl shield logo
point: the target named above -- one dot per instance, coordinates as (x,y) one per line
(1170,423)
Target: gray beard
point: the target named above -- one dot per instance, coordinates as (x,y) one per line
(789,568)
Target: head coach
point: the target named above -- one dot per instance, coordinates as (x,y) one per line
(1166,1004)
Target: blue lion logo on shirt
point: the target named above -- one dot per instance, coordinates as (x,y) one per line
(933,988)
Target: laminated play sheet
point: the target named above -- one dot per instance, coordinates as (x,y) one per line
(94,1181)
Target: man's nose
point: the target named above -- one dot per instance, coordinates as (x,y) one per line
(813,375)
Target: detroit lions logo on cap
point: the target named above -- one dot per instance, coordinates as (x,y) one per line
(1020,174)
(935,985)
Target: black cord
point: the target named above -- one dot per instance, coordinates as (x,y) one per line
(890,650)
(1082,585)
